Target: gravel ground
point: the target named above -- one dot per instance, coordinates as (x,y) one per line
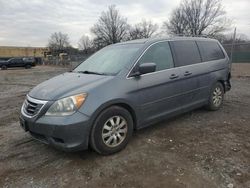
(196,149)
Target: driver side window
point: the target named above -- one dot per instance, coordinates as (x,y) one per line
(160,54)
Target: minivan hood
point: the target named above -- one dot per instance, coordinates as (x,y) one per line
(64,84)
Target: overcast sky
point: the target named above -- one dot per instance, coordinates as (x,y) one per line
(30,22)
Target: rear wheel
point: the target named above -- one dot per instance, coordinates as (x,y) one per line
(27,66)
(216,97)
(111,131)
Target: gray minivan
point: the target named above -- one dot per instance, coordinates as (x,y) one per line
(125,87)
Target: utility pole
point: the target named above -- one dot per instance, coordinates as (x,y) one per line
(233,43)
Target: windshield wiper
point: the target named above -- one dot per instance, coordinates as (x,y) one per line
(90,72)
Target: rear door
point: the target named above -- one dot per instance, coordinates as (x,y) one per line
(159,91)
(188,61)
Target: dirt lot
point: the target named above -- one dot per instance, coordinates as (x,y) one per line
(197,149)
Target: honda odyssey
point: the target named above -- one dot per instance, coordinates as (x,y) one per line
(125,87)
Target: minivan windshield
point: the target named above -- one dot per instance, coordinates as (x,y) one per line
(109,61)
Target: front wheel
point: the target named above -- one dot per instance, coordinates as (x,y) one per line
(216,97)
(111,131)
(4,67)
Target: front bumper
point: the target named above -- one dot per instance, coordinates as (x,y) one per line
(68,133)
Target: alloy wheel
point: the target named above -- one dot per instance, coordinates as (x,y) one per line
(217,96)
(114,131)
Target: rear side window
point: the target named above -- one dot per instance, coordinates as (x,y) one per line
(160,54)
(186,53)
(210,50)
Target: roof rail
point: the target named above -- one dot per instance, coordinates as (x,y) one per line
(188,35)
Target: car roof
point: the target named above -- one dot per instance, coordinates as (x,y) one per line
(153,40)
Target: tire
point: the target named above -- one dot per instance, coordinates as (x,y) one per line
(111,130)
(4,67)
(27,66)
(216,97)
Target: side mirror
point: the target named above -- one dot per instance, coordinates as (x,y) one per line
(144,69)
(147,68)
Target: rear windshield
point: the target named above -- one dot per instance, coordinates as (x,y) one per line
(110,60)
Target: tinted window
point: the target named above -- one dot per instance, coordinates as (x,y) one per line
(210,50)
(19,60)
(160,54)
(186,52)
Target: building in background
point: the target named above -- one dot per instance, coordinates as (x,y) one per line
(14,51)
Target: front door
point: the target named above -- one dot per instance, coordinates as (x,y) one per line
(159,92)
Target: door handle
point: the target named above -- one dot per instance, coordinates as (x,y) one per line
(187,73)
(173,76)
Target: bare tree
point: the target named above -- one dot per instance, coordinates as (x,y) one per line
(111,27)
(198,17)
(144,29)
(178,24)
(85,44)
(58,42)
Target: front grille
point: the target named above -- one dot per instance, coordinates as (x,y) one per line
(32,107)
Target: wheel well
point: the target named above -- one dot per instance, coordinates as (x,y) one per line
(223,84)
(129,109)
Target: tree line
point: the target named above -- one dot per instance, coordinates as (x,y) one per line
(190,18)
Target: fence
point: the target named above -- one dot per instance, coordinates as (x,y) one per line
(240,52)
(72,60)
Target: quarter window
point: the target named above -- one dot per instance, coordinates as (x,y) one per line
(160,54)
(210,50)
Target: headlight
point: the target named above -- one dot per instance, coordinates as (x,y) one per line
(66,106)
